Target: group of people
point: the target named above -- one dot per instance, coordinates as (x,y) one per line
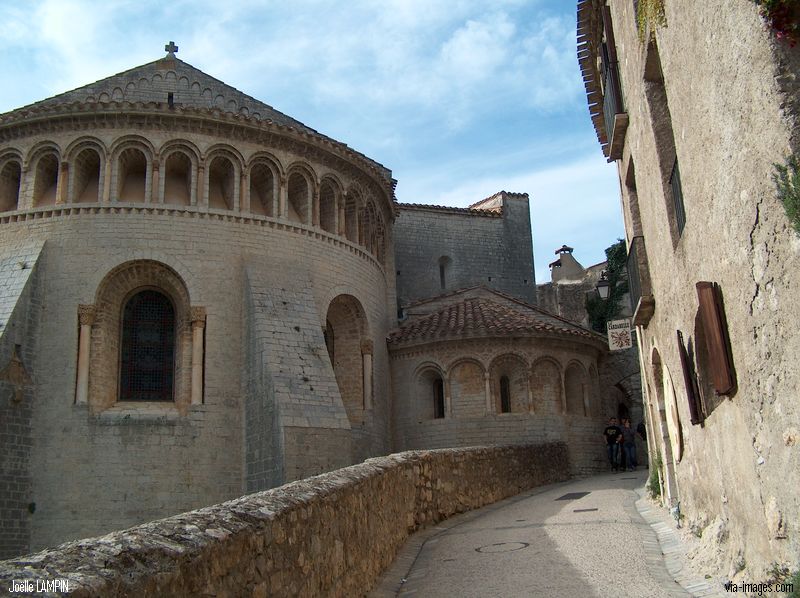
(621,444)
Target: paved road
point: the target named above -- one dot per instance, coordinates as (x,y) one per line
(581,538)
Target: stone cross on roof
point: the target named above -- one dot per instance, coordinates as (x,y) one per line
(171,48)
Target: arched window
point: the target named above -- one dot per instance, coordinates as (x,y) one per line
(10,177)
(178,179)
(262,190)
(347,327)
(46,182)
(86,182)
(444,266)
(132,175)
(327,207)
(351,217)
(147,360)
(298,197)
(438,398)
(505,395)
(575,389)
(221,184)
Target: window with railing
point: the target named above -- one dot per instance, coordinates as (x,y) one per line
(634,280)
(614,115)
(639,287)
(677,197)
(612,95)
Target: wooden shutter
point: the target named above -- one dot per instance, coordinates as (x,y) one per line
(690,383)
(715,330)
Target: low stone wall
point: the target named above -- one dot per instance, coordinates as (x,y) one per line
(329,535)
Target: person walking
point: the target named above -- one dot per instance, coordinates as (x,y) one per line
(612,435)
(629,444)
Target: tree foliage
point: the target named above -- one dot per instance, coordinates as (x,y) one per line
(602,310)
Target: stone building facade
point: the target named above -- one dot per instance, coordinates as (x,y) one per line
(696,109)
(566,296)
(199,301)
(437,256)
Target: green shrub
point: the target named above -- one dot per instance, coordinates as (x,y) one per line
(787,180)
(653,482)
(650,13)
(795,581)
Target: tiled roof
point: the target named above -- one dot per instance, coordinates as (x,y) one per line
(193,92)
(469,211)
(481,316)
(191,86)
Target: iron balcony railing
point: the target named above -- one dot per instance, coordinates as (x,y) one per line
(639,287)
(677,197)
(612,94)
(634,278)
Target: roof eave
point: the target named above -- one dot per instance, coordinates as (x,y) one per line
(588,42)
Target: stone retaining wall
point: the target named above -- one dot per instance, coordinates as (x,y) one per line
(329,535)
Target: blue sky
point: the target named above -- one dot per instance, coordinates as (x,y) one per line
(459,98)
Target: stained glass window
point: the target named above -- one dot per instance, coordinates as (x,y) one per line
(148,348)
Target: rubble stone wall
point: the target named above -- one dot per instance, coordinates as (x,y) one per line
(329,535)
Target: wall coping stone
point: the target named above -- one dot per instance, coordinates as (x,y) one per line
(331,534)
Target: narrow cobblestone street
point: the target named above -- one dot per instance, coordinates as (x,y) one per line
(579,538)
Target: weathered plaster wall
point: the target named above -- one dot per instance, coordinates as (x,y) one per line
(330,535)
(731,91)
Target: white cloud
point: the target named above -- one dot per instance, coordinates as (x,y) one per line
(462,98)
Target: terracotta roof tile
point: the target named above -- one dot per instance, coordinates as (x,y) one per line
(480,316)
(493,213)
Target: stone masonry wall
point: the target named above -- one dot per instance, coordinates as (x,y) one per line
(330,535)
(133,467)
(489,250)
(18,323)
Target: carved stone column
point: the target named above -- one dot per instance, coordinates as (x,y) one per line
(237,189)
(315,206)
(25,199)
(155,186)
(283,198)
(202,187)
(340,225)
(366,356)
(198,317)
(86,315)
(530,398)
(105,196)
(448,401)
(62,184)
(488,390)
(244,193)
(585,395)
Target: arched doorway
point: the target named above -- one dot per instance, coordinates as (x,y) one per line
(345,332)
(669,485)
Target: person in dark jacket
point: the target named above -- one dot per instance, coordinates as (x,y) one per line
(629,444)
(612,435)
